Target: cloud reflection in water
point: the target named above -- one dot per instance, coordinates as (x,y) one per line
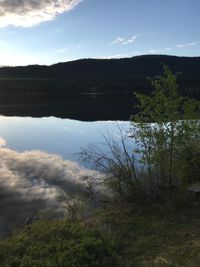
(33,180)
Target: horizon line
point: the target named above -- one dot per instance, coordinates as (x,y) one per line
(95,58)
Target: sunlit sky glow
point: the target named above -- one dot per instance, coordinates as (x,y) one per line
(51,31)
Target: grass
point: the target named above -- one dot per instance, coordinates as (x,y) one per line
(58,243)
(120,234)
(157,234)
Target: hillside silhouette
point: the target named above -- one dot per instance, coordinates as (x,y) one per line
(82,86)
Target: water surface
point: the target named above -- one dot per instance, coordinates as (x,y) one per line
(64,137)
(39,163)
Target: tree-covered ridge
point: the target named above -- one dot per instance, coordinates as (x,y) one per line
(138,66)
(101,75)
(78,88)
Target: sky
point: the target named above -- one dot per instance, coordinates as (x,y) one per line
(51,31)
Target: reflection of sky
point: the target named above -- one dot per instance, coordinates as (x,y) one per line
(34,180)
(54,135)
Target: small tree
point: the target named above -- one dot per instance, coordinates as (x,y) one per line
(166,127)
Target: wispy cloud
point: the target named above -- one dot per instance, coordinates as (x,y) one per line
(62,50)
(153,51)
(114,56)
(129,41)
(123,41)
(167,49)
(65,49)
(27,13)
(186,45)
(118,40)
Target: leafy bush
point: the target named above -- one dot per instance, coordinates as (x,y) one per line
(167,130)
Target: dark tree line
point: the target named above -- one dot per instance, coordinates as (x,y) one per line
(113,81)
(108,76)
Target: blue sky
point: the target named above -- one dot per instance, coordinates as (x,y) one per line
(51,31)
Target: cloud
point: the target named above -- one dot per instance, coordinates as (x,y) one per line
(186,45)
(153,51)
(123,41)
(62,50)
(34,180)
(168,49)
(129,41)
(27,13)
(65,49)
(118,40)
(116,56)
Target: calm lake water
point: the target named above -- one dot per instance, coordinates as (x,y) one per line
(64,137)
(39,163)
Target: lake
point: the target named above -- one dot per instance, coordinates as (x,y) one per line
(64,137)
(39,163)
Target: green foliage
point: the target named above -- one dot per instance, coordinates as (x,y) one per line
(167,131)
(48,243)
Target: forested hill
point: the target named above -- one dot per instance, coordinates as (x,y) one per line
(79,89)
(139,66)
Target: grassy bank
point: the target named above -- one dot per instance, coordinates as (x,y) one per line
(158,235)
(121,234)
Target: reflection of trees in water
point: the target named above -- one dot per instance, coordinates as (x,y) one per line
(80,107)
